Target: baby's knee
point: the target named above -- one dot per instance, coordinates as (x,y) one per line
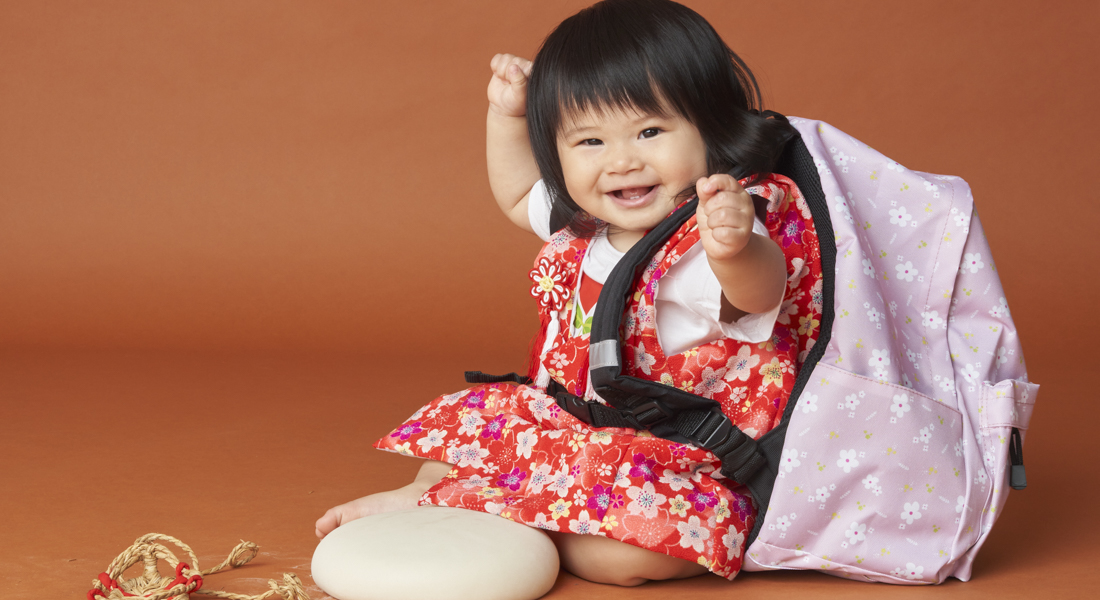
(604,560)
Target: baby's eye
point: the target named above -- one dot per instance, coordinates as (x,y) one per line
(591,142)
(650,132)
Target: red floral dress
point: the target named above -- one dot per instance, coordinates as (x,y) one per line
(518,455)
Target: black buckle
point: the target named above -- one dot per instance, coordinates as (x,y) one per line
(720,434)
(648,413)
(574,405)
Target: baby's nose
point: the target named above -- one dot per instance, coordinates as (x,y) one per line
(623,159)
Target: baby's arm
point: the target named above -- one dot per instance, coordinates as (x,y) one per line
(750,267)
(512,168)
(403,497)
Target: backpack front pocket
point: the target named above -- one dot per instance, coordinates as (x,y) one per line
(871,483)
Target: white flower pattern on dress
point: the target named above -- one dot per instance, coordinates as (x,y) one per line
(433,439)
(644,500)
(739,367)
(732,541)
(584,525)
(525,442)
(676,481)
(692,533)
(469,455)
(560,482)
(542,523)
(643,361)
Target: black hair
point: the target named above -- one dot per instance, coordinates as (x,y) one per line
(639,54)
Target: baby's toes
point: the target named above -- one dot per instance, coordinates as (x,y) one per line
(326,523)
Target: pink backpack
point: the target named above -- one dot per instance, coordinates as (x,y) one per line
(900,449)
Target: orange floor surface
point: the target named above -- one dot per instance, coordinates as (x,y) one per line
(97,449)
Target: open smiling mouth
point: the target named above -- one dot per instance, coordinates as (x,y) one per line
(632,194)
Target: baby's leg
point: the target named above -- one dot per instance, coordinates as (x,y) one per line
(401,498)
(604,560)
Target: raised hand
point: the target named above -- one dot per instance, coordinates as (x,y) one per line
(725,216)
(508,86)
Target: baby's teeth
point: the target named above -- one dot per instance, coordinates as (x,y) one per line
(633,193)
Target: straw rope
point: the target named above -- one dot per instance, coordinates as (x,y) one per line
(187,579)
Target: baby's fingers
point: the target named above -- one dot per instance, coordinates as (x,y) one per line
(498,62)
(524,65)
(724,214)
(501,65)
(708,187)
(728,241)
(516,76)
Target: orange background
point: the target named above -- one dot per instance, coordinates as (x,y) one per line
(238,240)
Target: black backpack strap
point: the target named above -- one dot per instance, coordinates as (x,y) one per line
(479,377)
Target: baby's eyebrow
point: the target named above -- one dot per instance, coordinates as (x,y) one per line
(577,130)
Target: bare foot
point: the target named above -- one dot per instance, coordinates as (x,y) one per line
(399,499)
(403,497)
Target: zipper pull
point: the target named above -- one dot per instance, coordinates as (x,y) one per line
(1017,478)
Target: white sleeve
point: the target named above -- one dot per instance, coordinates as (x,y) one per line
(689,313)
(538,210)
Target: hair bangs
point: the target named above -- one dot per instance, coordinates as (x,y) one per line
(602,75)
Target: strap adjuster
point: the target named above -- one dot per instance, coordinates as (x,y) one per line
(649,413)
(574,405)
(721,433)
